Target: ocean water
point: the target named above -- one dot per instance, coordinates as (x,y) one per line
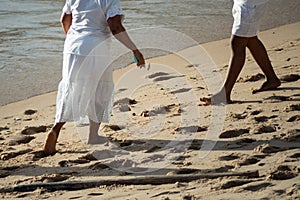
(31,39)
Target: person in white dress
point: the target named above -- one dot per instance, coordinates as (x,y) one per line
(247,16)
(85,93)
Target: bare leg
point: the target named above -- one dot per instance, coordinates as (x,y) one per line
(49,147)
(94,137)
(238,45)
(260,55)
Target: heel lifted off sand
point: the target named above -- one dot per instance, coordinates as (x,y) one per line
(268,85)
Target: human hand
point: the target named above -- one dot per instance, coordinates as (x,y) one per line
(139,58)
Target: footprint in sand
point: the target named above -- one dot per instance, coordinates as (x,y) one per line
(264,118)
(162,110)
(64,163)
(290,78)
(19,139)
(157,74)
(256,112)
(89,157)
(284,172)
(227,184)
(293,192)
(292,107)
(240,143)
(240,116)
(200,88)
(279,49)
(124,163)
(94,194)
(4,128)
(98,166)
(146,113)
(264,129)
(68,163)
(13,154)
(294,118)
(295,155)
(125,101)
(250,160)
(123,108)
(229,157)
(234,133)
(155,111)
(108,128)
(152,149)
(34,130)
(46,178)
(11,167)
(226,168)
(165,78)
(296,95)
(187,171)
(192,65)
(267,148)
(261,119)
(4,174)
(182,90)
(195,145)
(292,135)
(276,99)
(191,129)
(253,78)
(124,143)
(121,90)
(30,112)
(181,160)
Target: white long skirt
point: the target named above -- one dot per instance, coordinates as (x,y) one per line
(86,89)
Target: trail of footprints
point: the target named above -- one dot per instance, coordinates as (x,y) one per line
(264,150)
(261,152)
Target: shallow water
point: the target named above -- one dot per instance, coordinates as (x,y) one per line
(31,38)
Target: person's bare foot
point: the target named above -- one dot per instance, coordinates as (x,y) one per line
(217,99)
(268,85)
(97,140)
(49,147)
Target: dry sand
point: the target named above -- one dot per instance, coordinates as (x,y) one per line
(260,133)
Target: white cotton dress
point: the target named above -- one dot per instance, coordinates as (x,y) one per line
(86,89)
(247,16)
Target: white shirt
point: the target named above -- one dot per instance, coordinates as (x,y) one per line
(89,23)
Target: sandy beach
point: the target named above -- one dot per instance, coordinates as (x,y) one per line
(165,144)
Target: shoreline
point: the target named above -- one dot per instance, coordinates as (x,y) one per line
(222,59)
(32,44)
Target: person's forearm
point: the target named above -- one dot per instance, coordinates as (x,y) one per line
(118,30)
(121,35)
